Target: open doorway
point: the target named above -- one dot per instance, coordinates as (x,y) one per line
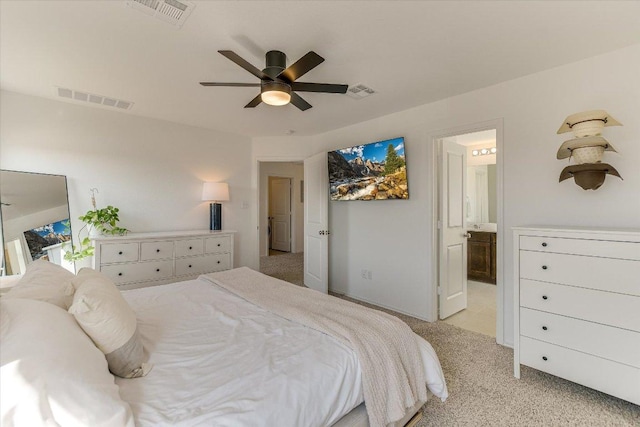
(281,222)
(470,290)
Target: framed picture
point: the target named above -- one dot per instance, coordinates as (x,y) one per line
(374,171)
(39,238)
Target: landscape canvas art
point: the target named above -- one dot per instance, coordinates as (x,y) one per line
(50,234)
(374,171)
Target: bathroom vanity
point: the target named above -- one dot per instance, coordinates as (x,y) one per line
(481,256)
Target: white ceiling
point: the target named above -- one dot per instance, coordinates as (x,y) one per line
(412,53)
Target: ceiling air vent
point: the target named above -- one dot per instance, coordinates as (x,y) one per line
(359,91)
(172,11)
(91,98)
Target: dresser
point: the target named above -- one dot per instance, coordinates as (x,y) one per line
(577,306)
(136,260)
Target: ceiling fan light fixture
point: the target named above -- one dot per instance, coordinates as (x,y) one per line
(275,93)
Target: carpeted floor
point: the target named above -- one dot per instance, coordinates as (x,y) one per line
(479,374)
(284,266)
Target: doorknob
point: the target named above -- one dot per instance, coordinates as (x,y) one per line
(467,235)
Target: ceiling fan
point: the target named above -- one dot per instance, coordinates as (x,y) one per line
(278,85)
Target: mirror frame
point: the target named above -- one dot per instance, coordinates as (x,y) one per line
(55,255)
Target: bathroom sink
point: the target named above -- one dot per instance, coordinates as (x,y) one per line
(491,227)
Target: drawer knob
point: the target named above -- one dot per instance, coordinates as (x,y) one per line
(157,269)
(119,274)
(544,244)
(218,262)
(120,253)
(544,267)
(157,250)
(544,297)
(218,244)
(544,328)
(190,247)
(189,265)
(544,358)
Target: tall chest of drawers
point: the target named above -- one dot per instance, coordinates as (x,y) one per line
(577,306)
(138,260)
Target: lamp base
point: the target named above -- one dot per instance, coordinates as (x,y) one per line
(215,217)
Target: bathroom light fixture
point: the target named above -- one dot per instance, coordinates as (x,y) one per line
(215,192)
(484,151)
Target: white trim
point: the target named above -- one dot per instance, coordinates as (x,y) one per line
(498,125)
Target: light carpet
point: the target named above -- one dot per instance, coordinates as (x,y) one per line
(479,374)
(284,266)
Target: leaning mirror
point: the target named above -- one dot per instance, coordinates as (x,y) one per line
(35,220)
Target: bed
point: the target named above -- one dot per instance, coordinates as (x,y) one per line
(215,358)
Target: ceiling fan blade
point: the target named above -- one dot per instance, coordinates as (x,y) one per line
(302,66)
(299,102)
(254,102)
(230,84)
(244,64)
(319,87)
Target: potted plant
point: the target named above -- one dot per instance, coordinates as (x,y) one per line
(103,221)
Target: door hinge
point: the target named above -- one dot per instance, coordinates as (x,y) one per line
(439,225)
(439,290)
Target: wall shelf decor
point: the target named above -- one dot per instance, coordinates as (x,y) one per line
(587,148)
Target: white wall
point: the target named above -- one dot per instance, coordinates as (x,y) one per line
(295,171)
(393,238)
(152,170)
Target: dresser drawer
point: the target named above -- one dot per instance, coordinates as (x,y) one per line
(189,247)
(608,308)
(217,244)
(607,274)
(203,264)
(619,345)
(597,248)
(118,252)
(156,250)
(144,271)
(609,377)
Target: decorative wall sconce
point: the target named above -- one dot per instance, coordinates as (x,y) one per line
(587,148)
(484,151)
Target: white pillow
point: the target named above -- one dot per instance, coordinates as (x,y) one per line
(52,374)
(106,317)
(45,281)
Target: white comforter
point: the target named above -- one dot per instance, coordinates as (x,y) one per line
(221,361)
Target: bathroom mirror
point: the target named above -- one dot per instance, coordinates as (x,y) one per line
(35,222)
(482,204)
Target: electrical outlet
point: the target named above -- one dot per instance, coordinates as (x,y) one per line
(369,274)
(363,273)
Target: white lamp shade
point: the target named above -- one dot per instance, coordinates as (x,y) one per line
(215,191)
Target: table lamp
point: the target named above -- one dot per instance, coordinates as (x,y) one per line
(215,192)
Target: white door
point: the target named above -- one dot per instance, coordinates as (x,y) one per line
(280,213)
(452,228)
(316,245)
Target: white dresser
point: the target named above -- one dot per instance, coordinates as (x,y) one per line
(137,260)
(577,306)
